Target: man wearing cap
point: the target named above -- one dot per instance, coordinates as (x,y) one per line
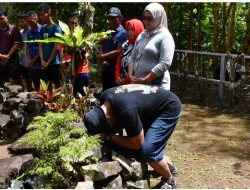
(148,114)
(11,41)
(111,48)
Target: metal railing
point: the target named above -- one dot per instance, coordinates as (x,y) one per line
(223,61)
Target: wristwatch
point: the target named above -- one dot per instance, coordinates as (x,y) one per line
(108,138)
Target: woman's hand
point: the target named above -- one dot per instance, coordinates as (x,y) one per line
(118,80)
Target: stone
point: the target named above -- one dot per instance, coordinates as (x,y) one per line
(3,97)
(85,185)
(131,168)
(10,105)
(4,121)
(23,95)
(34,106)
(141,184)
(22,149)
(10,168)
(13,89)
(101,170)
(112,182)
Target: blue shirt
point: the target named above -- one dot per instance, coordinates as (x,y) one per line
(116,40)
(34,47)
(49,32)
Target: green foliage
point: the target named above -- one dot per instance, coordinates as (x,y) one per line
(60,145)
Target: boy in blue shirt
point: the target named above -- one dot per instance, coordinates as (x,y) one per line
(49,55)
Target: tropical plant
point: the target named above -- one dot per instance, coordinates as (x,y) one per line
(61,147)
(76,42)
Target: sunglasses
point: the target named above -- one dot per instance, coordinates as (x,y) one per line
(147,18)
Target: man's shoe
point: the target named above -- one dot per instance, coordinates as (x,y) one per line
(173,169)
(166,184)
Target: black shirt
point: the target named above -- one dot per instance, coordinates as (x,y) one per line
(136,106)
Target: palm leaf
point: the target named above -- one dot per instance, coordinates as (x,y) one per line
(78,34)
(64,27)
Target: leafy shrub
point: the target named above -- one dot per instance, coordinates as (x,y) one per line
(60,146)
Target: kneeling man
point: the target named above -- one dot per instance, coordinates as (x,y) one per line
(148,114)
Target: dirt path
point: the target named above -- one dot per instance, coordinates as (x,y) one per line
(3,149)
(211,150)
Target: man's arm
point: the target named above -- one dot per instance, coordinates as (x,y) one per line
(134,143)
(14,48)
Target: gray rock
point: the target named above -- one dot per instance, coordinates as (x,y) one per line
(99,171)
(115,183)
(34,106)
(4,121)
(131,168)
(10,168)
(141,184)
(23,95)
(3,97)
(23,148)
(85,185)
(112,182)
(13,89)
(32,95)
(10,105)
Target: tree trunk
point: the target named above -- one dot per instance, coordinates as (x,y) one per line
(191,18)
(246,46)
(225,15)
(179,44)
(216,26)
(89,11)
(199,28)
(230,34)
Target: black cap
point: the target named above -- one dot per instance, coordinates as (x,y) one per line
(95,121)
(3,11)
(114,11)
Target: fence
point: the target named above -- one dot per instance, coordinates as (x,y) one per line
(212,67)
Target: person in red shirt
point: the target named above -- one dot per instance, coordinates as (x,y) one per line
(133,27)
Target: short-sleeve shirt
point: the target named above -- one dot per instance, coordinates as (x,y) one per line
(34,46)
(49,32)
(136,106)
(8,37)
(24,57)
(116,40)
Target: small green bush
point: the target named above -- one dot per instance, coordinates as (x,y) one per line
(60,146)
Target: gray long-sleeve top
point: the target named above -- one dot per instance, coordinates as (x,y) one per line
(157,55)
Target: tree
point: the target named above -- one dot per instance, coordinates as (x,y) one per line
(230,35)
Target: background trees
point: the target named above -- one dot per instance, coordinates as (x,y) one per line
(213,27)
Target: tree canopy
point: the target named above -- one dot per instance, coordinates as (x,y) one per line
(203,26)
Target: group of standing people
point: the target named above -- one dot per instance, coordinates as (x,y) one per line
(141,52)
(146,49)
(33,61)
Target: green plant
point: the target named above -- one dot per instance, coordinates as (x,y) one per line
(76,42)
(60,146)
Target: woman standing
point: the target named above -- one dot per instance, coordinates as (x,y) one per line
(133,27)
(154,49)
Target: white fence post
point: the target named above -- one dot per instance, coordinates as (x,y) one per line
(222,79)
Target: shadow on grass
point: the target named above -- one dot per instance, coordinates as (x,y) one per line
(211,132)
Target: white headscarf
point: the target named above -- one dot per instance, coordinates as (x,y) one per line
(159,15)
(160,22)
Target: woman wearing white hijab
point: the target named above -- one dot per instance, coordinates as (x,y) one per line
(154,49)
